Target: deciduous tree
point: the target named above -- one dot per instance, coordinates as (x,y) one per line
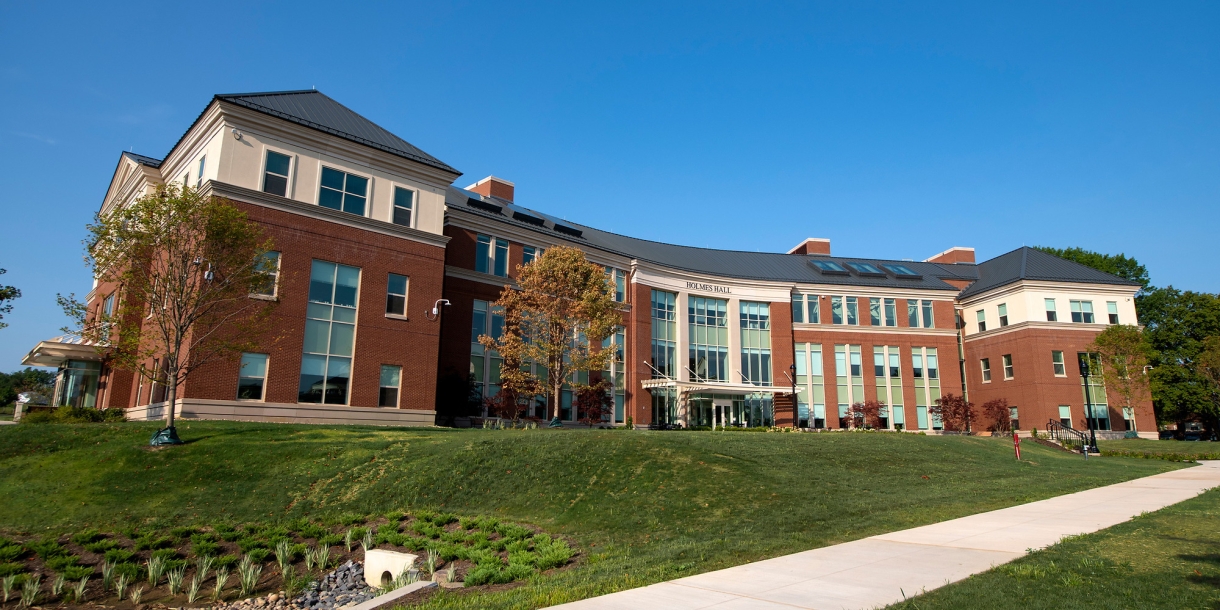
(7,294)
(1124,356)
(184,267)
(562,306)
(1176,325)
(1121,265)
(865,414)
(594,402)
(997,413)
(955,412)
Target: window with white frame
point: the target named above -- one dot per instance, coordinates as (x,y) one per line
(199,178)
(709,338)
(275,173)
(618,283)
(887,374)
(664,335)
(798,308)
(391,382)
(1082,311)
(1003,310)
(1051,314)
(252,378)
(982,319)
(874,311)
(1065,415)
(530,254)
(1008,372)
(849,379)
(616,374)
(919,314)
(985,365)
(343,191)
(756,343)
(836,310)
(891,312)
(108,305)
(925,307)
(925,369)
(404,206)
(396,295)
(269,266)
(491,255)
(853,311)
(1112,310)
(811,394)
(1059,366)
(330,333)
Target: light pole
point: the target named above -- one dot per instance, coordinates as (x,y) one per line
(796,407)
(1088,402)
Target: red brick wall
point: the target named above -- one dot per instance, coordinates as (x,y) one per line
(1035,390)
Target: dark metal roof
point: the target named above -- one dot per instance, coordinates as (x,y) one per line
(315,110)
(142,160)
(1027,263)
(769,266)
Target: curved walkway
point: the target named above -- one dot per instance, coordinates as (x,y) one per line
(880,570)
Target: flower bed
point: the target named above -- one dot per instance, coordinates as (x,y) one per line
(201,566)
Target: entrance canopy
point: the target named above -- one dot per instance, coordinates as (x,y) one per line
(684,387)
(54,352)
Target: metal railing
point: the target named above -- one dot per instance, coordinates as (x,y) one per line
(1066,436)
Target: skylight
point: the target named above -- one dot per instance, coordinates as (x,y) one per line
(828,267)
(902,271)
(866,269)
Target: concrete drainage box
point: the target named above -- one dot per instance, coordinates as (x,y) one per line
(382,567)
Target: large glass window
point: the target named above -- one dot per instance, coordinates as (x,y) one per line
(252,378)
(275,174)
(664,336)
(811,391)
(853,311)
(1082,311)
(926,372)
(343,191)
(798,309)
(709,338)
(618,283)
(1051,314)
(912,313)
(874,311)
(891,312)
(491,256)
(849,377)
(1095,392)
(396,295)
(391,381)
(928,320)
(487,319)
(836,310)
(330,333)
(404,205)
(887,374)
(77,384)
(756,342)
(617,373)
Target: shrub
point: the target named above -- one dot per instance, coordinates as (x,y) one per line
(443,519)
(311,530)
(259,555)
(11,568)
(224,561)
(59,562)
(350,519)
(385,532)
(152,542)
(11,551)
(552,552)
(130,570)
(513,532)
(183,532)
(76,572)
(488,575)
(101,546)
(250,543)
(488,524)
(205,548)
(165,554)
(119,555)
(330,540)
(73,415)
(86,536)
(468,523)
(46,549)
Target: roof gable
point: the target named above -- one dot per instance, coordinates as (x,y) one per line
(1027,263)
(315,110)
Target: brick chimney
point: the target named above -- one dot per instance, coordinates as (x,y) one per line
(812,245)
(956,254)
(492,186)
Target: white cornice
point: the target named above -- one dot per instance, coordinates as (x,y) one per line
(1056,326)
(1043,285)
(877,330)
(284,204)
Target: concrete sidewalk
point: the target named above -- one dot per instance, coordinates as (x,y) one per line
(878,571)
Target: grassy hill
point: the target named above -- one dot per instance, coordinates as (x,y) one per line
(643,506)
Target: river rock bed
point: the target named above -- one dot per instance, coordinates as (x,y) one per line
(344,587)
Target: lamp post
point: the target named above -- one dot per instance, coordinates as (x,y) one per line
(1088,402)
(796,408)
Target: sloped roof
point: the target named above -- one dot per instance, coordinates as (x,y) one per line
(1027,263)
(315,110)
(143,160)
(769,266)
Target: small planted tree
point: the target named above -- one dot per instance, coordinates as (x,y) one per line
(184,267)
(594,402)
(563,306)
(1124,356)
(997,413)
(955,412)
(517,389)
(865,414)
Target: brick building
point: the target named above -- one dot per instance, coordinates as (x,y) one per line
(372,235)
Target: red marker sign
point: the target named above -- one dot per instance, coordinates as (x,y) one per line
(1016,444)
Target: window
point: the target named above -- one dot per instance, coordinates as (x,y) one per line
(343,191)
(805,308)
(396,295)
(798,308)
(709,338)
(874,312)
(618,283)
(252,378)
(1065,416)
(1060,367)
(275,174)
(1003,314)
(330,333)
(853,311)
(912,313)
(108,305)
(1082,311)
(919,313)
(270,267)
(927,314)
(530,254)
(891,312)
(982,318)
(1013,421)
(836,310)
(1112,309)
(811,395)
(887,377)
(664,337)
(616,371)
(491,256)
(756,343)
(488,320)
(848,371)
(926,371)
(391,380)
(1129,418)
(1007,366)
(404,205)
(1051,315)
(985,363)
(829,267)
(199,178)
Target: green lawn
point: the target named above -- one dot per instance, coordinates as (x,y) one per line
(1166,559)
(1178,450)
(641,506)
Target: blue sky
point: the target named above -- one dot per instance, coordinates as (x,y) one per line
(895,130)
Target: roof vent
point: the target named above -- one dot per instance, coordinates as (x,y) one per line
(492,186)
